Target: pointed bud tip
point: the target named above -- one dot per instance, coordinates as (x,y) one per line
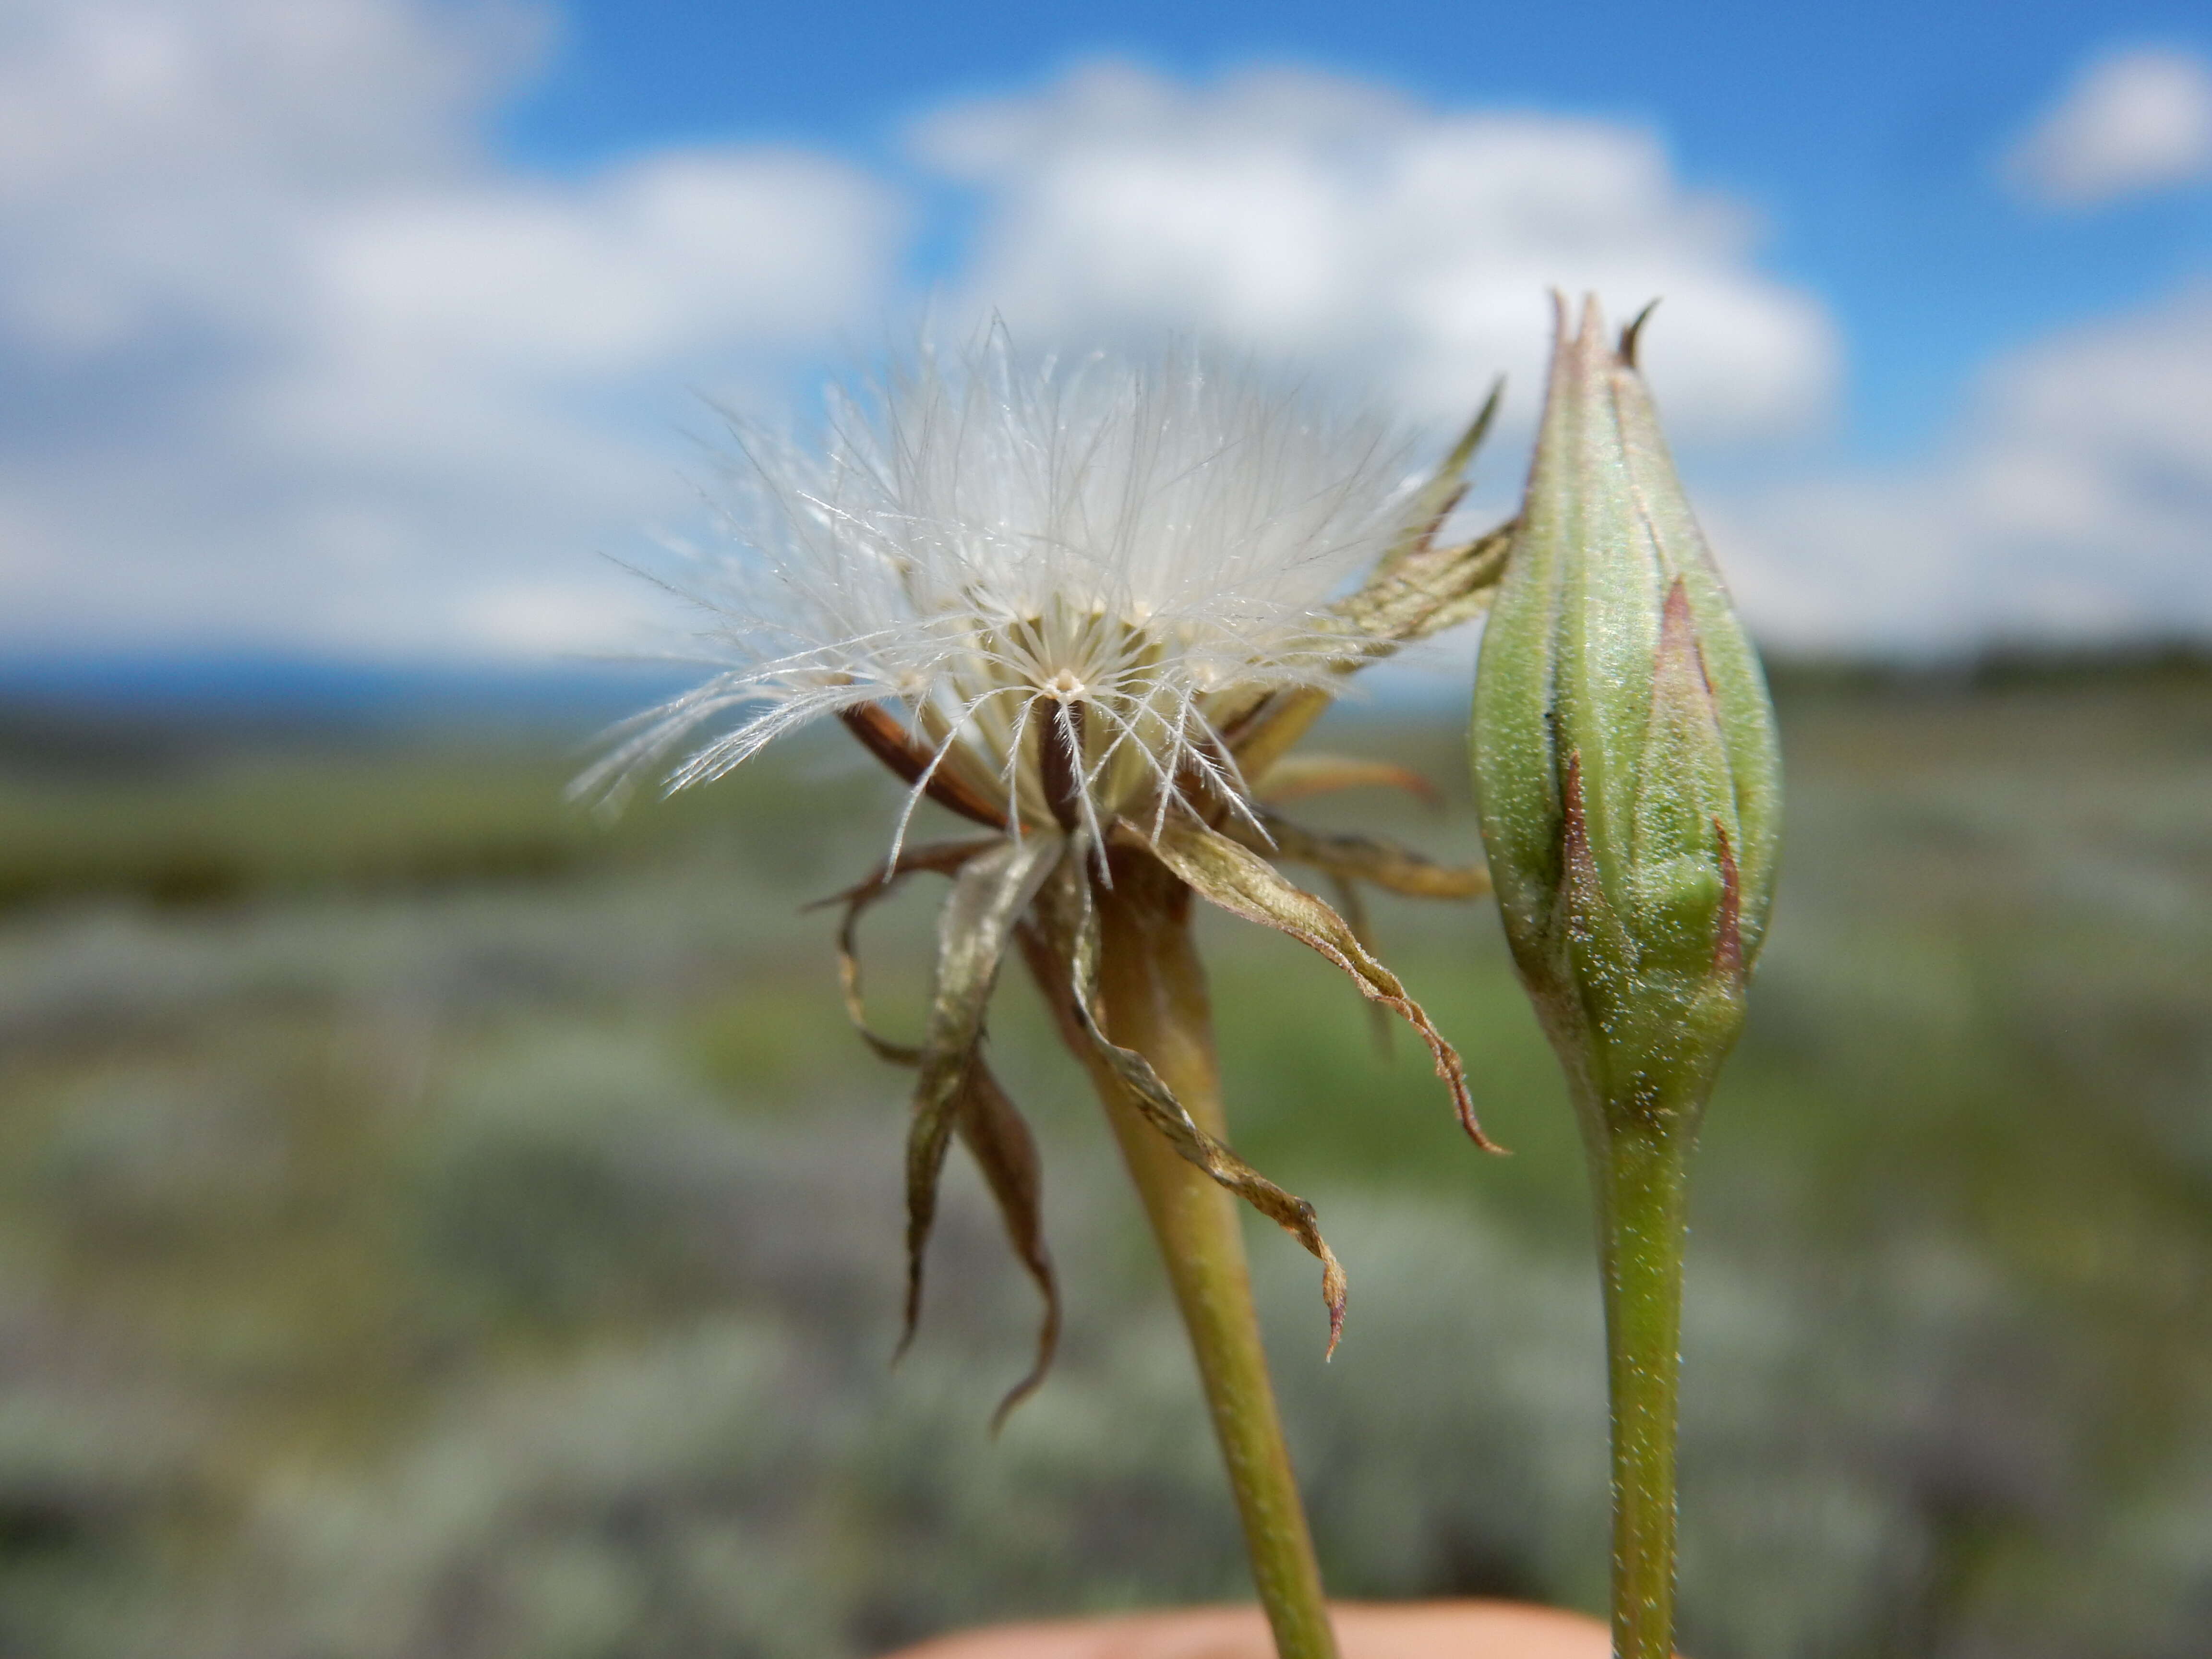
(1633,335)
(1591,342)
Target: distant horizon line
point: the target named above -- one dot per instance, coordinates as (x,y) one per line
(506,691)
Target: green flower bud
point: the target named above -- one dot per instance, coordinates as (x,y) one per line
(1625,753)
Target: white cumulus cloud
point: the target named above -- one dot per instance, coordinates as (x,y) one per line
(2133,122)
(1331,220)
(2074,505)
(291,359)
(287,358)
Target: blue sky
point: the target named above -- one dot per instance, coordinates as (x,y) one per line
(1868,137)
(366,328)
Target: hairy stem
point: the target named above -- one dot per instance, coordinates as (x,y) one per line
(1638,1176)
(1153,991)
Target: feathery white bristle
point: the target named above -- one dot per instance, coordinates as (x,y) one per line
(977,531)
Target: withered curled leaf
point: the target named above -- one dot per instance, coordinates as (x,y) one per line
(989,894)
(941,774)
(987,1122)
(1420,587)
(1261,735)
(1369,859)
(997,1138)
(1347,861)
(1295,777)
(1070,914)
(1352,905)
(1241,882)
(1445,488)
(1438,588)
(942,858)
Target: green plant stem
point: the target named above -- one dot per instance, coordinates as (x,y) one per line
(1152,988)
(1638,1175)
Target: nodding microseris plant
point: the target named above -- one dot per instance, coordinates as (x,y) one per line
(1087,606)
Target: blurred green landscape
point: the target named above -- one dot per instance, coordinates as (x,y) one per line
(438,1222)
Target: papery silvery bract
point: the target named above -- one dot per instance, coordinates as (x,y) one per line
(999,542)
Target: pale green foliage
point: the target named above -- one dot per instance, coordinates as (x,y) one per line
(522,1246)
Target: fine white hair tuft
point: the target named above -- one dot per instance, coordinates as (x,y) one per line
(1027,550)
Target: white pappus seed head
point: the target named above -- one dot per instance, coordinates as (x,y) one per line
(1060,568)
